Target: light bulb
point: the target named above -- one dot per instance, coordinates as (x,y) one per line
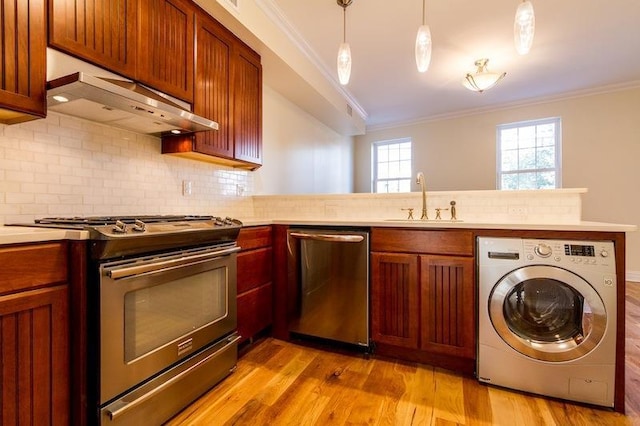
(344,63)
(423,48)
(524,27)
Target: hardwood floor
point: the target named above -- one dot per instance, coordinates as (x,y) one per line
(280,383)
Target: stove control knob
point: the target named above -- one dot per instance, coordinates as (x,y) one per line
(604,253)
(120,227)
(139,226)
(543,250)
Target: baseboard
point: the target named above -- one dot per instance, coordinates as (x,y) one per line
(633,276)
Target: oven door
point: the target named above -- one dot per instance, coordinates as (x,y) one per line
(157,310)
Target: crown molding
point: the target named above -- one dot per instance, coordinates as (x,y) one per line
(528,102)
(278,18)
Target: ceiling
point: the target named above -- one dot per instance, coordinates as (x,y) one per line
(579,47)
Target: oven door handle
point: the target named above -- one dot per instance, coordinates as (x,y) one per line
(114,414)
(116,274)
(334,238)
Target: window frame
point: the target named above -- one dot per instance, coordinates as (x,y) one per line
(374,163)
(557,121)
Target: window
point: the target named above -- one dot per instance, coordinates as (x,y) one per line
(392,166)
(529,155)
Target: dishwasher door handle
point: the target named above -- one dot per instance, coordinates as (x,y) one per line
(336,238)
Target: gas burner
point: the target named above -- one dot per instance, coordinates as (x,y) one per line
(111,220)
(118,236)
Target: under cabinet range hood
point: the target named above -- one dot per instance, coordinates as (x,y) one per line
(123,104)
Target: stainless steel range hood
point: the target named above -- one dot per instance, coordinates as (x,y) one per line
(123,104)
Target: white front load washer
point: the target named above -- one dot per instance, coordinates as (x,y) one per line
(547,317)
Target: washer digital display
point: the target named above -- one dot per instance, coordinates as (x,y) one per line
(579,250)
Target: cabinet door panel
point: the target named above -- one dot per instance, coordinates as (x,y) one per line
(34,356)
(165,50)
(394,299)
(22,61)
(447,305)
(99,31)
(212,94)
(247,116)
(255,310)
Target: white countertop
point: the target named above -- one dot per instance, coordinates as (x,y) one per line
(20,234)
(440,224)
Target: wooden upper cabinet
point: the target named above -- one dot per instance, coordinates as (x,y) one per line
(100,31)
(228,90)
(22,61)
(247,106)
(213,80)
(165,46)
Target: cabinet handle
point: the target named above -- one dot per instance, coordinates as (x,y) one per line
(337,238)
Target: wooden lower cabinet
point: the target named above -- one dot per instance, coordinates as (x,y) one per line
(423,304)
(255,289)
(394,299)
(34,335)
(447,305)
(255,311)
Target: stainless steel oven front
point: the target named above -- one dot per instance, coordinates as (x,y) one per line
(155,312)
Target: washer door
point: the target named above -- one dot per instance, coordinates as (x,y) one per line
(547,313)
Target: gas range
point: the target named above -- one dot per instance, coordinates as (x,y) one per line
(117,236)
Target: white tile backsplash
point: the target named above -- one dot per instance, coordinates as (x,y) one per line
(65,166)
(552,206)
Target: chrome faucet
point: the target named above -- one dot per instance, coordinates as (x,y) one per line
(420,181)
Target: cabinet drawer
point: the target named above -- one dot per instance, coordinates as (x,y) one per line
(422,241)
(254,237)
(30,266)
(254,269)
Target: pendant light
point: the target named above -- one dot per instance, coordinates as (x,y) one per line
(523,27)
(423,43)
(344,52)
(482,79)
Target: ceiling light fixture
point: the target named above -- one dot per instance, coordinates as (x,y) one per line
(344,52)
(482,79)
(523,27)
(423,43)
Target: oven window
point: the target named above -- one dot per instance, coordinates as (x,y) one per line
(544,310)
(155,316)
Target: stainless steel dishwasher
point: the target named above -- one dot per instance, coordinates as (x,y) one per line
(331,284)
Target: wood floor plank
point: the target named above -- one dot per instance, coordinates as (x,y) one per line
(510,408)
(477,403)
(448,402)
(282,383)
(349,380)
(416,405)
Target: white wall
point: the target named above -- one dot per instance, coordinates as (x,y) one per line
(601,151)
(301,155)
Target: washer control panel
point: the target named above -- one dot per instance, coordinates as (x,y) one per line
(572,252)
